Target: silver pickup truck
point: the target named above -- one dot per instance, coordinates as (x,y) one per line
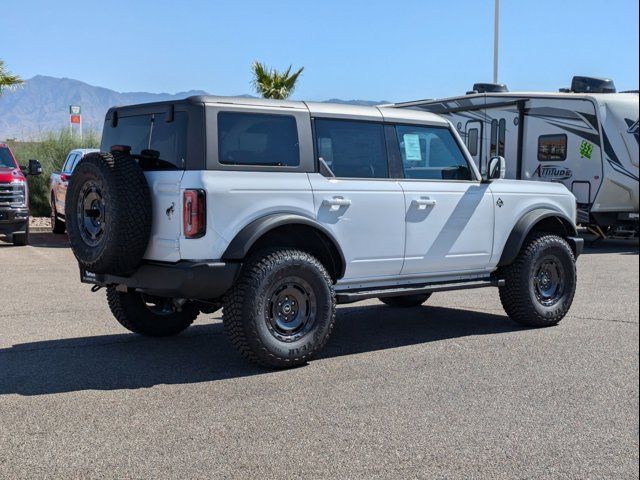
(58,182)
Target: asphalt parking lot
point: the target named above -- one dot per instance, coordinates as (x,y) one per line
(449,390)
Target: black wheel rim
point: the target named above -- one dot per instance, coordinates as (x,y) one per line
(158,305)
(548,280)
(53,217)
(91,213)
(291,310)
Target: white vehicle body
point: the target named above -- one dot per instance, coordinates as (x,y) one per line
(586,141)
(278,211)
(390,231)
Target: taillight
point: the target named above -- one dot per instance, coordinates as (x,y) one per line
(194,216)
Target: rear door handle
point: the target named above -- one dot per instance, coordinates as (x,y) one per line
(335,203)
(423,202)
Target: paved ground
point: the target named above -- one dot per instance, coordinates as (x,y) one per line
(452,390)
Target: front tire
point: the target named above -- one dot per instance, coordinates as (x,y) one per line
(405,301)
(281,311)
(57,225)
(21,239)
(541,283)
(148,315)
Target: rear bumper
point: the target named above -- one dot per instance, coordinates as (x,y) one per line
(193,280)
(577,245)
(13,220)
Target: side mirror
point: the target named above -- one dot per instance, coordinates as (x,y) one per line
(495,169)
(34,167)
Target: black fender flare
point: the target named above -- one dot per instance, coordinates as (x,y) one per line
(251,233)
(524,226)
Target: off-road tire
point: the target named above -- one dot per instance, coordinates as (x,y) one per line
(57,225)
(248,308)
(126,207)
(518,296)
(21,239)
(405,301)
(132,313)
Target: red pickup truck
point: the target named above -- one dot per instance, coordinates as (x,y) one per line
(14,196)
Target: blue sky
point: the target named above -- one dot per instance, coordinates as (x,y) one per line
(375,50)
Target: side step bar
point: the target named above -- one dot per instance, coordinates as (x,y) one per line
(356,296)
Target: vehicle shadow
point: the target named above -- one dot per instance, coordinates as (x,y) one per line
(203,354)
(40,239)
(592,245)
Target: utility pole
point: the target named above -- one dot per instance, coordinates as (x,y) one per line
(496,24)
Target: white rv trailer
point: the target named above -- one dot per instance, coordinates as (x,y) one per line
(586,140)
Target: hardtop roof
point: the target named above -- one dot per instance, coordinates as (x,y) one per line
(336,110)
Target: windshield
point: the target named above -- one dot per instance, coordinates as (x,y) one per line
(6,159)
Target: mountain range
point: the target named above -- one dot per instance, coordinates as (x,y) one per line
(42,104)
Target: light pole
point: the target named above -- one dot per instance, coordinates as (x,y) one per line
(496,24)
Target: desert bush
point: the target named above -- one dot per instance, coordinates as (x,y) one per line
(51,149)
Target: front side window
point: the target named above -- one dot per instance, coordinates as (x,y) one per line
(258,139)
(352,149)
(431,153)
(552,148)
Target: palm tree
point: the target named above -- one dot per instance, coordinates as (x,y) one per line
(270,83)
(7,79)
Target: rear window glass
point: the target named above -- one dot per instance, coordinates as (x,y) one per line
(165,143)
(6,160)
(258,139)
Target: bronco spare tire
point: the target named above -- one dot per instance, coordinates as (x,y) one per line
(108,213)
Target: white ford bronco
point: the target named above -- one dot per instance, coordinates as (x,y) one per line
(276,211)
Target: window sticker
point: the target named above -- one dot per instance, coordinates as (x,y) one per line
(412,146)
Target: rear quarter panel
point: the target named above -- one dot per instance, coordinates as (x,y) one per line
(235,199)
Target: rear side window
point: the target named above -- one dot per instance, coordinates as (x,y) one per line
(165,143)
(258,139)
(552,148)
(352,149)
(432,153)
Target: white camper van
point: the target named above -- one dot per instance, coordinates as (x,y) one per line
(585,137)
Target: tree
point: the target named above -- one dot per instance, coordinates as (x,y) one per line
(7,79)
(270,83)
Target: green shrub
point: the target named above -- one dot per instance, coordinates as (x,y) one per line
(51,149)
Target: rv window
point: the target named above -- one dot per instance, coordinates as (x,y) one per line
(494,139)
(352,149)
(502,133)
(257,139)
(431,153)
(552,148)
(472,141)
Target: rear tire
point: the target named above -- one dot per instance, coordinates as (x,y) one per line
(541,283)
(108,213)
(148,315)
(57,225)
(405,301)
(281,311)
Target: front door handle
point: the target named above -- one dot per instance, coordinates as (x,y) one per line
(335,203)
(423,202)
